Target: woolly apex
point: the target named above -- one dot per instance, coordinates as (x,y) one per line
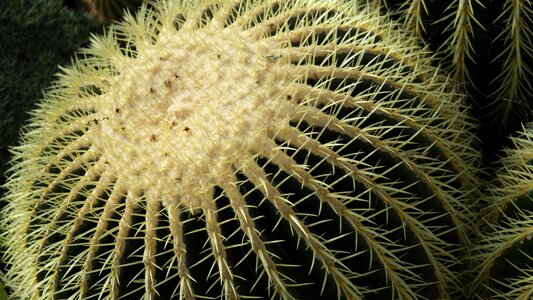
(199,102)
(243,148)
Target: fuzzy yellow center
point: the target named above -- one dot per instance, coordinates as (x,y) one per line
(178,122)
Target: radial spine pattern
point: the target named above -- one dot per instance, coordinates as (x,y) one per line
(274,149)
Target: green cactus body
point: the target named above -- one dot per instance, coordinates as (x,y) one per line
(276,149)
(505,250)
(488,47)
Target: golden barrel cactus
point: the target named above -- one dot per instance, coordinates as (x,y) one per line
(488,48)
(504,251)
(271,149)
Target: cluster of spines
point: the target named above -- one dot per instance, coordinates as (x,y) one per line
(493,39)
(487,47)
(376,146)
(504,247)
(462,32)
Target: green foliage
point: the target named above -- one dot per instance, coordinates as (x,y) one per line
(36,36)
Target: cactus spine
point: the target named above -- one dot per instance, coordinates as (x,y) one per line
(488,47)
(276,149)
(505,248)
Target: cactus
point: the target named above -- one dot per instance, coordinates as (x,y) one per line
(106,11)
(488,46)
(504,254)
(276,149)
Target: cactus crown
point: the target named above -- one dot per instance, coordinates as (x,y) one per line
(189,125)
(243,148)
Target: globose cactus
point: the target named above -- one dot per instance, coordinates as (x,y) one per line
(488,47)
(272,149)
(504,253)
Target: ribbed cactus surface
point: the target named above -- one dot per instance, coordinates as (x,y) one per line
(274,149)
(504,253)
(488,47)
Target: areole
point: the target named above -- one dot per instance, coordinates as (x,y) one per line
(175,124)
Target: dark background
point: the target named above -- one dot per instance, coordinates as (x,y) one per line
(35,37)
